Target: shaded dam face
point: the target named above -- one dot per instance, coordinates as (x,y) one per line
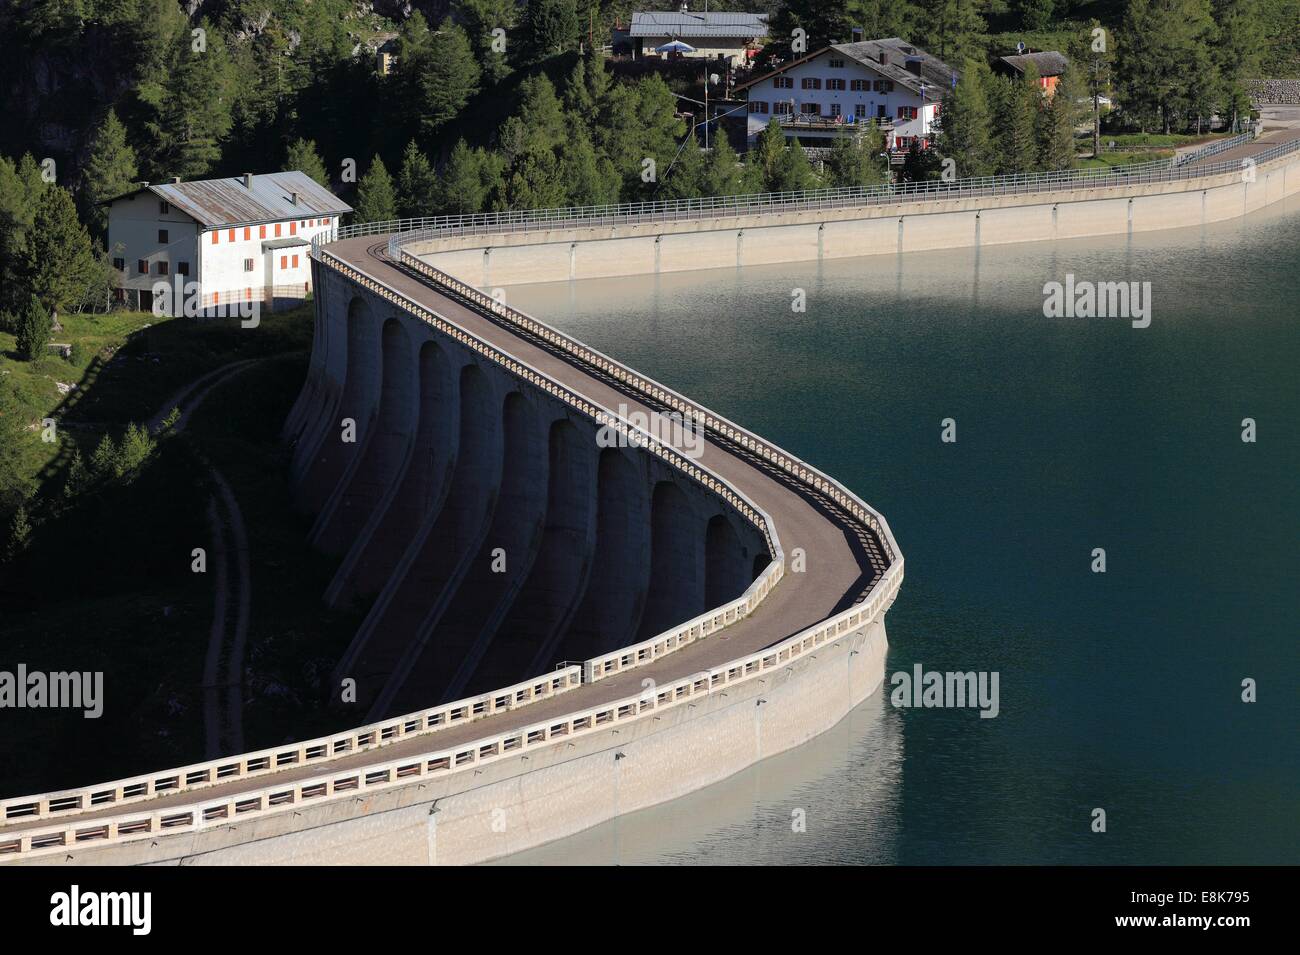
(481,520)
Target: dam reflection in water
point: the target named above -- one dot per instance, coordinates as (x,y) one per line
(1119,690)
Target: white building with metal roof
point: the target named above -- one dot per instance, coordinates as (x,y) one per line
(230,241)
(837,89)
(731,35)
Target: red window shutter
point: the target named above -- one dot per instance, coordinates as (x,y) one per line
(277,230)
(284,261)
(232,235)
(216,236)
(293,228)
(295,261)
(248,233)
(261,232)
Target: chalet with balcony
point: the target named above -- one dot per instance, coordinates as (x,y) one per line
(839,89)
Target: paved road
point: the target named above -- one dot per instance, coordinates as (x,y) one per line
(842,561)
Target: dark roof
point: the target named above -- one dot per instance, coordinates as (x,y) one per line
(936,74)
(674,23)
(1048,63)
(268,198)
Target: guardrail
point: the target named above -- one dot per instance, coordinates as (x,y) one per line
(667,211)
(210,772)
(364,781)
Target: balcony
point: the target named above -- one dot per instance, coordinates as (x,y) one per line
(831,125)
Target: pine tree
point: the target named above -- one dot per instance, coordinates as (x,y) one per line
(462,191)
(77,478)
(191,110)
(1092,55)
(684,179)
(768,153)
(20,532)
(724,175)
(110,171)
(417,185)
(449,75)
(303,157)
(59,265)
(375,199)
(857,160)
(136,448)
(1164,66)
(588,177)
(949,29)
(103,461)
(1056,122)
(1017,120)
(964,123)
(33,330)
(549,27)
(480,18)
(1036,14)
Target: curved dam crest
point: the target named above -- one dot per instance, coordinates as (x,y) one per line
(473,433)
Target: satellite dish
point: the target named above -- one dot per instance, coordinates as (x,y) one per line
(1020,47)
(714,78)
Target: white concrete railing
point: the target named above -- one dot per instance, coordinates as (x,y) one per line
(349,742)
(364,781)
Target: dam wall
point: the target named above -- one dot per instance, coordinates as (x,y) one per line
(553,254)
(482,521)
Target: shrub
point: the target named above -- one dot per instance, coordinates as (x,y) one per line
(33,331)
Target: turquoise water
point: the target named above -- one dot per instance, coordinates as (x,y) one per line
(1119,691)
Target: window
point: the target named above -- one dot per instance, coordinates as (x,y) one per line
(231,237)
(248,233)
(295,261)
(835,109)
(859,86)
(119,264)
(810,109)
(293,228)
(284,261)
(883,86)
(162,268)
(860,110)
(835,64)
(835,84)
(755,106)
(277,230)
(907,112)
(182,268)
(326,220)
(781,108)
(164,207)
(142,266)
(216,236)
(261,232)
(162,236)
(811,83)
(780,83)
(248,265)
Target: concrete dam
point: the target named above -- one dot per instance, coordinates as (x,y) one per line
(574,612)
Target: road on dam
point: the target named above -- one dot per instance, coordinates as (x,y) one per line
(843,559)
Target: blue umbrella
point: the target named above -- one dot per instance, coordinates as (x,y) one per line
(675,46)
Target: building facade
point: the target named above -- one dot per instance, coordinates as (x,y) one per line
(219,242)
(838,89)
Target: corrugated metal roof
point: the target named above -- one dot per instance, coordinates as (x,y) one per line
(1048,63)
(267,198)
(288,242)
(673,23)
